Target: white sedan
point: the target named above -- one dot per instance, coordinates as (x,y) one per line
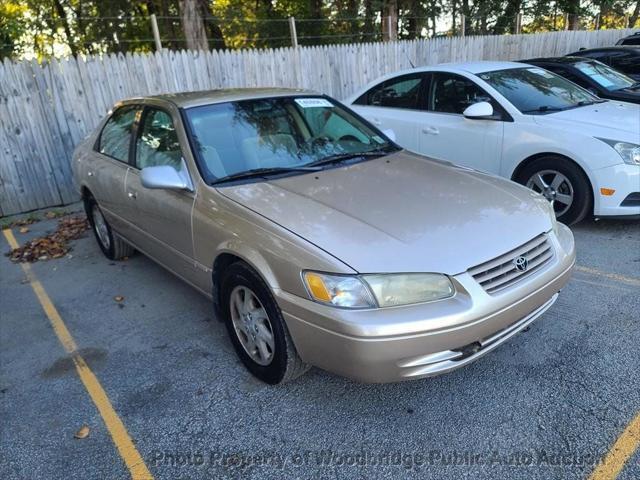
(520,122)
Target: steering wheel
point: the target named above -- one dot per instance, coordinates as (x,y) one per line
(320,140)
(350,138)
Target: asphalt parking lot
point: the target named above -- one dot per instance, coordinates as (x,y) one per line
(548,404)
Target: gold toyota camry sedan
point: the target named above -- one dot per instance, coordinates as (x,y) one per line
(318,240)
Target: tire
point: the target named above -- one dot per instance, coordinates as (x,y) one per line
(281,363)
(113,247)
(558,179)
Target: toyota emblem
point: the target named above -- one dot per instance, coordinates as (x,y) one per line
(521,264)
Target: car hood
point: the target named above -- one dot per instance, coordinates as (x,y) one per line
(612,119)
(401,213)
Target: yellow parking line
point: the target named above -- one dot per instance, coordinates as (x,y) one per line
(119,434)
(621,451)
(611,276)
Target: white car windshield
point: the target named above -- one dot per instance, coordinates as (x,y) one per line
(605,76)
(533,90)
(281,134)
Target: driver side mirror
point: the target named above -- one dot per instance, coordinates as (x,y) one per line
(479,111)
(166,177)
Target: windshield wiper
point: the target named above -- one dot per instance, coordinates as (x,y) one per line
(584,103)
(264,173)
(341,157)
(548,109)
(544,109)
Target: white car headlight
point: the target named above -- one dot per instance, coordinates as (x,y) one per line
(379,290)
(630,152)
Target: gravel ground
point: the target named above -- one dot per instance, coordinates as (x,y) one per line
(545,405)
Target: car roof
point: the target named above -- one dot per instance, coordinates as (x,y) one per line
(456,67)
(207,97)
(615,48)
(560,60)
(476,67)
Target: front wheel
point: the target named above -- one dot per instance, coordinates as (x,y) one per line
(256,327)
(561,182)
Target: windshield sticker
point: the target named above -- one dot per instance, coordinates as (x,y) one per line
(314,103)
(541,72)
(377,139)
(595,75)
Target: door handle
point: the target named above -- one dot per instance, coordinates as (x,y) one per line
(132,195)
(430,130)
(376,122)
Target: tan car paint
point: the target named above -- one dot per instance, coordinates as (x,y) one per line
(401,213)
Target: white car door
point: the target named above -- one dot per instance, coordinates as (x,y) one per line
(392,104)
(445,134)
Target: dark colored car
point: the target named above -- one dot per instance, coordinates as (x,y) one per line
(633,39)
(593,75)
(623,59)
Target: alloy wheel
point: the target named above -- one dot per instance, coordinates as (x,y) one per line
(555,187)
(101,227)
(252,326)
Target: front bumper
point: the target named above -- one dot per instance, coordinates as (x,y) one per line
(625,180)
(403,343)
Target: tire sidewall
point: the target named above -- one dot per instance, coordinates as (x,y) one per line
(90,204)
(239,274)
(582,191)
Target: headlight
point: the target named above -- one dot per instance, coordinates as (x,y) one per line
(346,291)
(404,289)
(630,152)
(381,290)
(552,217)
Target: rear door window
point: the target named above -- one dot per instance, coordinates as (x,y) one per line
(404,92)
(115,138)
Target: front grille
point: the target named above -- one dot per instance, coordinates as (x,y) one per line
(501,272)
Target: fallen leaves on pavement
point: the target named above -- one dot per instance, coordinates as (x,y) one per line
(82,433)
(118,298)
(54,245)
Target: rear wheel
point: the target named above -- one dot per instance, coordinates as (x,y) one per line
(256,327)
(561,182)
(113,247)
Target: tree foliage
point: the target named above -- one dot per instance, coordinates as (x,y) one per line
(44,28)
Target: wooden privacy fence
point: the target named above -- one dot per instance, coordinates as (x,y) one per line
(47,108)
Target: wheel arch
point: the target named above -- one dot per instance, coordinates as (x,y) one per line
(227,257)
(520,166)
(590,181)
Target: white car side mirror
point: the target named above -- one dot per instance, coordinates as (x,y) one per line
(390,134)
(479,111)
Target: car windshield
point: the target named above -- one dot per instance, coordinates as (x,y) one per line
(605,76)
(278,135)
(533,90)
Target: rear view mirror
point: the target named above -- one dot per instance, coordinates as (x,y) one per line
(390,134)
(479,111)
